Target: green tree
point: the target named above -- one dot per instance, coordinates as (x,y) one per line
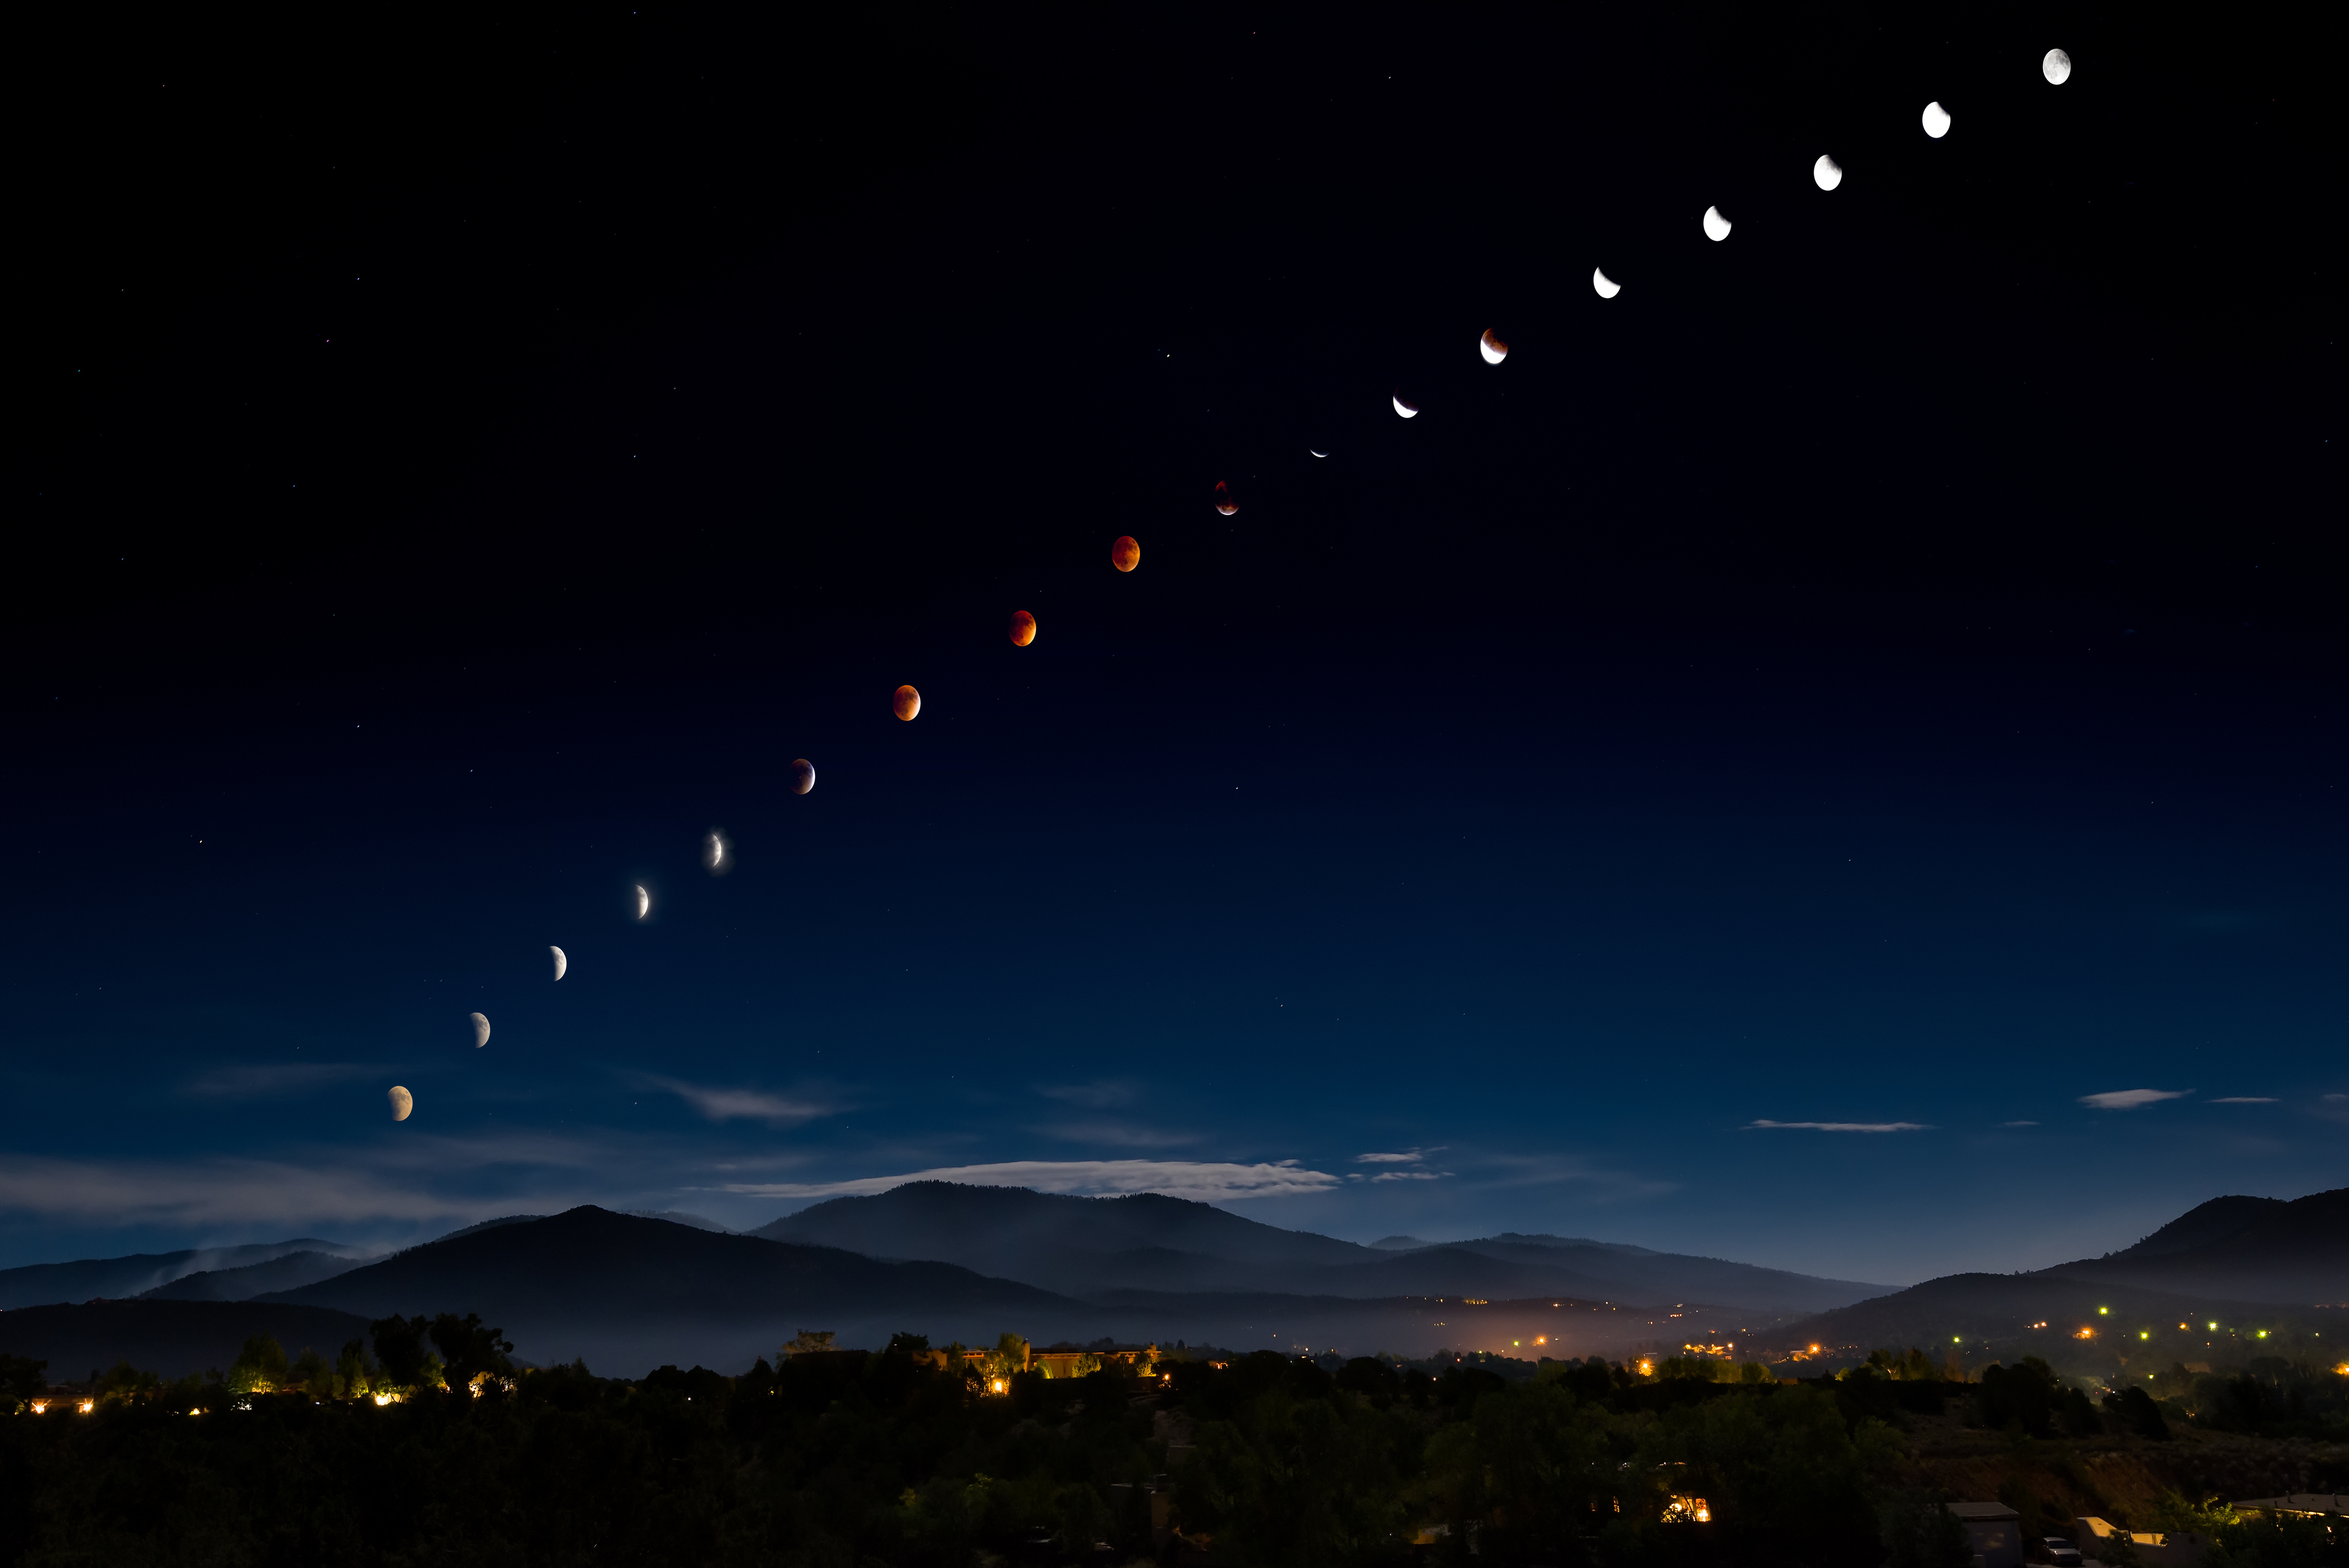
(260,1366)
(21,1378)
(354,1371)
(399,1348)
(469,1349)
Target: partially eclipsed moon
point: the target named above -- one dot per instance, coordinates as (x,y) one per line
(1716,227)
(402,1102)
(1317,453)
(1608,288)
(1125,554)
(644,903)
(481,1031)
(1408,410)
(906,702)
(1936,120)
(2056,68)
(1023,628)
(1223,501)
(561,963)
(1827,172)
(802,776)
(1491,346)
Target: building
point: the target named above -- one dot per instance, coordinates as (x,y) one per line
(1067,1360)
(2178,1546)
(1993,1532)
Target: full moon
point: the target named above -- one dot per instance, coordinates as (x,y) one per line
(1223,501)
(1023,628)
(561,963)
(1936,120)
(481,1031)
(1716,227)
(1408,410)
(644,903)
(2056,68)
(802,776)
(1491,346)
(1827,172)
(1125,555)
(906,702)
(1608,288)
(402,1102)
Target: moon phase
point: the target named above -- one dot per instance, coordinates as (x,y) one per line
(1936,120)
(481,1031)
(1317,453)
(561,963)
(1608,288)
(1125,555)
(1223,501)
(1491,346)
(1716,227)
(1827,172)
(402,1102)
(2056,68)
(717,852)
(1408,410)
(1023,628)
(906,702)
(802,776)
(643,902)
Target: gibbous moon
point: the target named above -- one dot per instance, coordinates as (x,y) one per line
(1827,172)
(402,1102)
(1125,555)
(906,702)
(1608,288)
(1223,501)
(1936,120)
(1716,227)
(1023,628)
(1408,410)
(481,1031)
(561,963)
(716,854)
(2056,68)
(1491,346)
(802,776)
(643,902)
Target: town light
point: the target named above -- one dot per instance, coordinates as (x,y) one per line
(2142,1334)
(87,1406)
(2103,1312)
(383,1399)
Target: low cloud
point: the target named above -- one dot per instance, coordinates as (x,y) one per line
(1203,1180)
(212,1194)
(274,1080)
(1845,1126)
(740,1104)
(2131,1098)
(2245,1099)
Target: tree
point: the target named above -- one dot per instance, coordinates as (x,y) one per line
(259,1367)
(312,1376)
(2133,1410)
(355,1372)
(399,1347)
(469,1349)
(810,1341)
(21,1378)
(1919,1532)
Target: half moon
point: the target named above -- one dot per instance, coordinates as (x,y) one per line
(1023,628)
(906,702)
(481,1031)
(1125,554)
(2056,68)
(561,963)
(1408,410)
(802,776)
(1492,347)
(1936,120)
(643,902)
(1827,172)
(1608,288)
(402,1102)
(1716,227)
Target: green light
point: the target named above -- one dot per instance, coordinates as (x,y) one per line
(2104,1311)
(2263,1334)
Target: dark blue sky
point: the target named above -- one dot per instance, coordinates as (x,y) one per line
(1880,671)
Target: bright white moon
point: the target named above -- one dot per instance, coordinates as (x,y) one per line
(644,903)
(1317,453)
(1936,120)
(1716,227)
(2056,68)
(402,1102)
(561,963)
(481,1031)
(1608,288)
(1492,349)
(1403,409)
(1827,172)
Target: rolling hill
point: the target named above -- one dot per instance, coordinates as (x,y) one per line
(113,1278)
(2240,1249)
(288,1272)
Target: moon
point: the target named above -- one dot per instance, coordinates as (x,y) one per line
(717,852)
(643,902)
(906,702)
(1317,453)
(1125,555)
(802,775)
(1408,410)
(1223,501)
(402,1102)
(1023,628)
(1608,288)
(2056,68)
(1716,227)
(561,963)
(1936,120)
(1827,172)
(1491,346)
(481,1031)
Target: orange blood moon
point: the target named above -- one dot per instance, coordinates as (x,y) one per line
(1023,628)
(1223,501)
(802,776)
(1491,346)
(908,702)
(1125,555)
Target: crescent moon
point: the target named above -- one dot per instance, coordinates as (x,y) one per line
(2056,68)
(1716,227)
(1608,288)
(1408,410)
(1827,172)
(481,1031)
(1491,346)
(402,1102)
(644,903)
(561,963)
(1936,120)
(1317,453)
(802,776)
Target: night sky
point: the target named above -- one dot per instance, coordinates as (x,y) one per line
(1883,670)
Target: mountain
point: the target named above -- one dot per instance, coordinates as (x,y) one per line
(112,1278)
(2240,1249)
(2202,1224)
(1150,1242)
(288,1272)
(171,1338)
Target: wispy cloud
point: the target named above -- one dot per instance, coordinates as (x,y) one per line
(213,1194)
(1845,1126)
(1411,1157)
(2245,1099)
(1410,1175)
(1600,1185)
(2131,1098)
(1100,1095)
(2018,1124)
(1205,1181)
(740,1104)
(273,1081)
(1118,1135)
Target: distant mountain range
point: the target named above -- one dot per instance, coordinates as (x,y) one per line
(2240,1249)
(113,1278)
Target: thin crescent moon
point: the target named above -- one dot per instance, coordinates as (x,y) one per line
(644,904)
(1317,453)
(1403,409)
(481,1031)
(561,963)
(1608,288)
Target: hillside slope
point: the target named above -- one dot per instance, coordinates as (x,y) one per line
(113,1278)
(2242,1250)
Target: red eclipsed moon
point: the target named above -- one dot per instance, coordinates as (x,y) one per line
(802,776)
(1023,628)
(1125,555)
(1223,501)
(908,702)
(1491,346)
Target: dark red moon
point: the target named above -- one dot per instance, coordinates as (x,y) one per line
(1125,555)
(1023,628)
(908,702)
(1223,501)
(802,776)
